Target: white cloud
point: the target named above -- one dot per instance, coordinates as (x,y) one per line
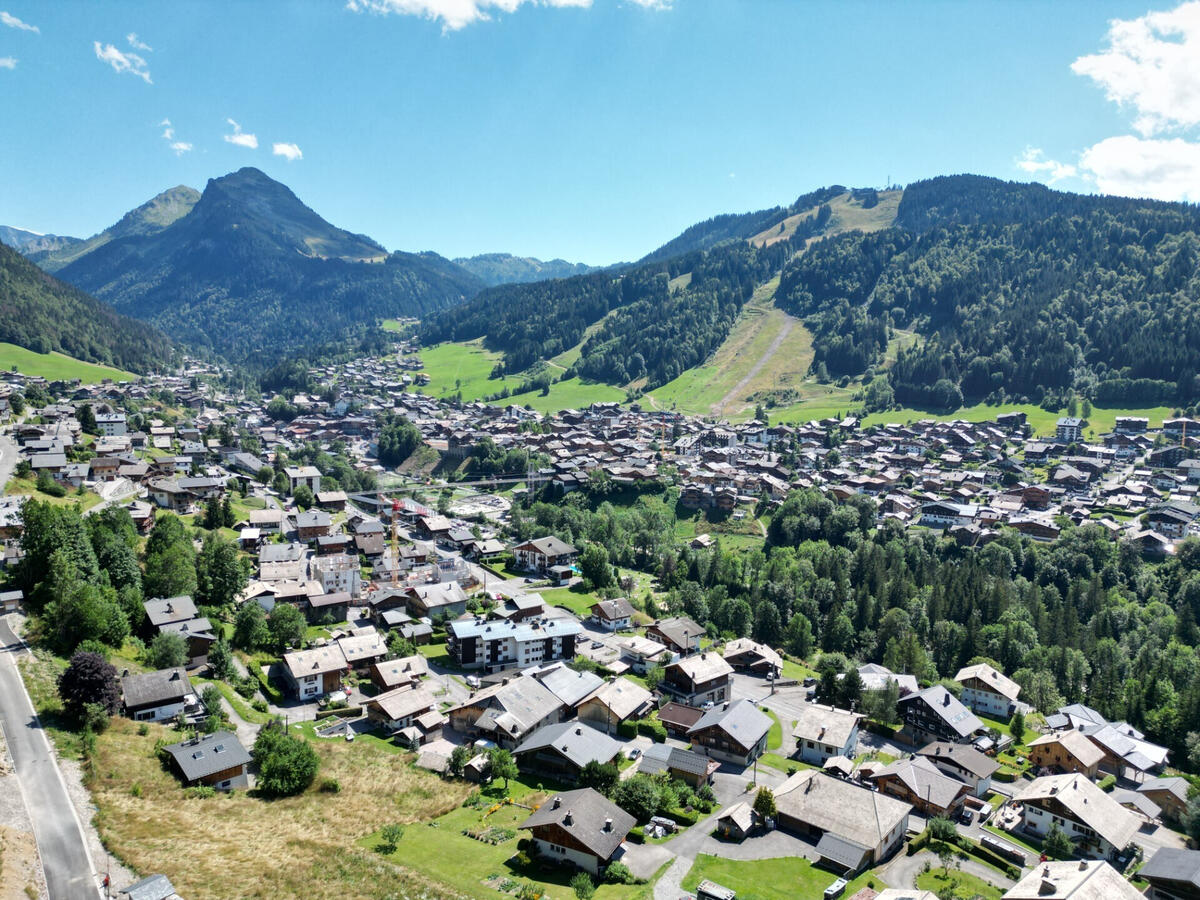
(290,152)
(240,138)
(653,4)
(136,44)
(8,62)
(122,62)
(180,147)
(1152,64)
(1137,167)
(13,22)
(1034,161)
(456,14)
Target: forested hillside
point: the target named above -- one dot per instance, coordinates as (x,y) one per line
(667,314)
(251,270)
(41,313)
(1019,291)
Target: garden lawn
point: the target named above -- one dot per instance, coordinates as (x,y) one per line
(784,878)
(439,851)
(775,735)
(577,602)
(969,886)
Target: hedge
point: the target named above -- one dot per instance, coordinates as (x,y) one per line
(879,728)
(683,817)
(653,729)
(1106,783)
(918,843)
(637,834)
(627,729)
(345,712)
(272,693)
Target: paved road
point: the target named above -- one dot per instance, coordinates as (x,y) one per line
(9,457)
(59,836)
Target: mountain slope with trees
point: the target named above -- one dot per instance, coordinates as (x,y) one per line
(41,313)
(250,269)
(1019,292)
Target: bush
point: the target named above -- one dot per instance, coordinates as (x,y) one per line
(287,764)
(583,886)
(627,729)
(200,792)
(168,650)
(653,729)
(618,873)
(330,786)
(1106,783)
(258,704)
(89,679)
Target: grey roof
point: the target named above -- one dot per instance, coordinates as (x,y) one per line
(841,850)
(1173,784)
(576,742)
(523,630)
(925,780)
(155,688)
(569,686)
(741,720)
(1169,864)
(314,518)
(949,709)
(208,755)
(966,758)
(1136,801)
(677,627)
(515,707)
(152,887)
(548,546)
(659,758)
(276,553)
(163,610)
(583,814)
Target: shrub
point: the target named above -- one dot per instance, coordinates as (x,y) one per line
(259,705)
(618,873)
(89,679)
(583,886)
(287,764)
(330,786)
(143,729)
(200,792)
(627,729)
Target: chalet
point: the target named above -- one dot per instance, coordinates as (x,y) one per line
(965,763)
(332,501)
(167,493)
(699,679)
(679,634)
(580,828)
(199,635)
(571,687)
(693,768)
(1127,753)
(404,672)
(1173,874)
(501,644)
(823,731)
(614,702)
(935,714)
(917,781)
(312,524)
(745,655)
(1071,880)
(334,544)
(1170,793)
(560,751)
(854,826)
(507,712)
(643,653)
(678,718)
(10,601)
(363,648)
(328,608)
(158,696)
(446,598)
(282,562)
(1066,752)
(1099,826)
(612,615)
(314,672)
(404,707)
(217,760)
(1172,519)
(987,692)
(732,732)
(542,554)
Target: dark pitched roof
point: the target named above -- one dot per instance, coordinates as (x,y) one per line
(594,821)
(578,743)
(162,610)
(155,688)
(967,758)
(208,755)
(1169,864)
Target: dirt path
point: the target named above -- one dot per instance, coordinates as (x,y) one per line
(730,397)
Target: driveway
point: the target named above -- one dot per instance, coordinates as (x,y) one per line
(903,870)
(59,834)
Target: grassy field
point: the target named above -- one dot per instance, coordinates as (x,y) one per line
(465,367)
(574,393)
(56,366)
(441,852)
(241,846)
(965,884)
(848,215)
(783,878)
(28,487)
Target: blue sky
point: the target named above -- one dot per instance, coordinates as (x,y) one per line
(592,131)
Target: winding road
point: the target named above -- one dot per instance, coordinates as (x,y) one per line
(56,826)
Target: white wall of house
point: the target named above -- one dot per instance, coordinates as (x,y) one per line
(1038,821)
(159,713)
(816,752)
(566,855)
(986,702)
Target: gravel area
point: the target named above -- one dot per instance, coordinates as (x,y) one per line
(18,849)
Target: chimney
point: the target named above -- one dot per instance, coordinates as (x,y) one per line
(567,819)
(579,731)
(1083,865)
(608,824)
(556,803)
(946,699)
